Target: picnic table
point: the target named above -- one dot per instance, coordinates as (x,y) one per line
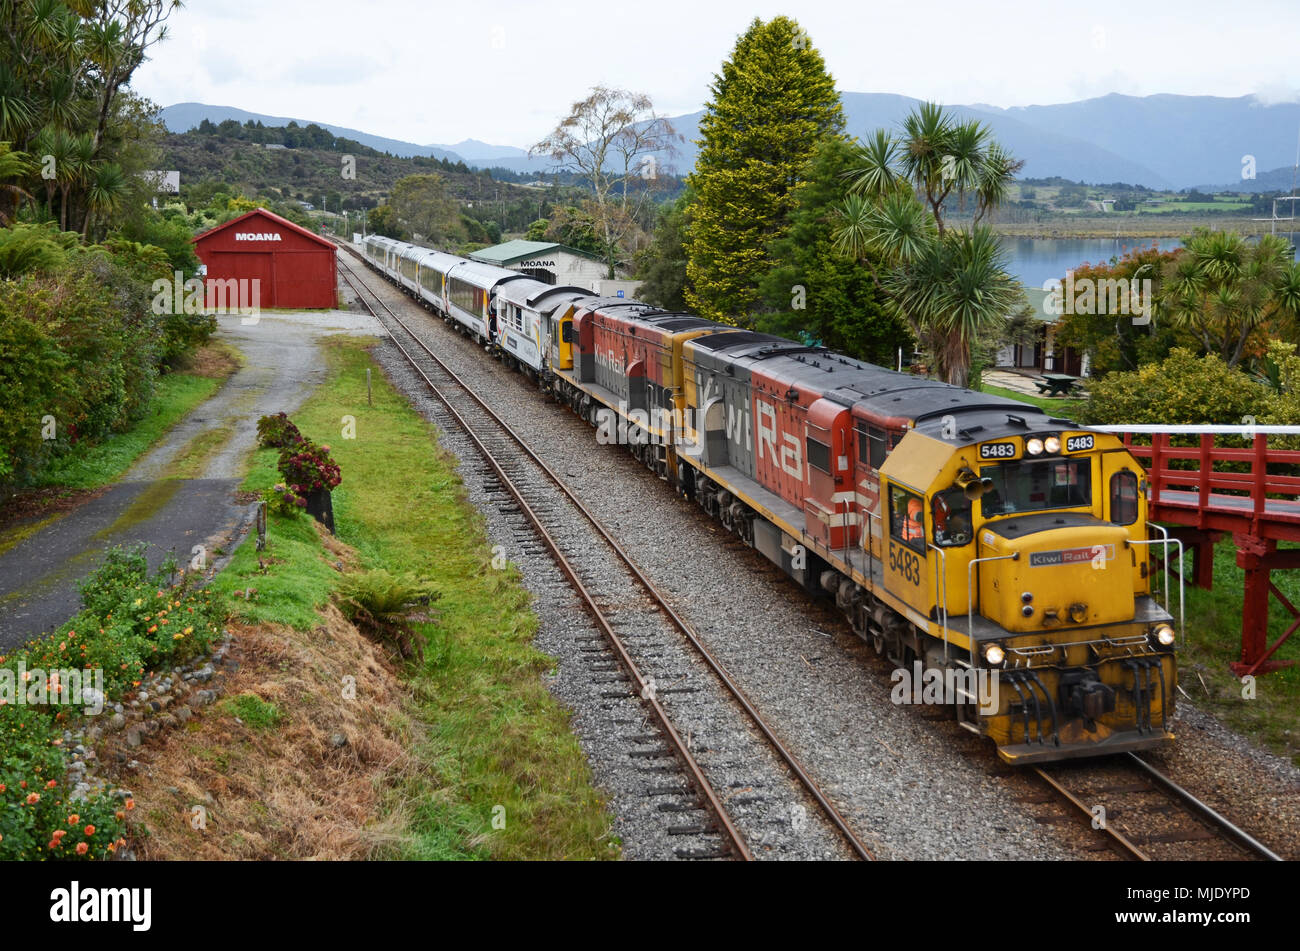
(1057,384)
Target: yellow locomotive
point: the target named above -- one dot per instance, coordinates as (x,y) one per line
(1024,559)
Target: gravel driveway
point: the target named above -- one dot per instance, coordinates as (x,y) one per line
(282,365)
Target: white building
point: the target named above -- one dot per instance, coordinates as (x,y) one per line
(548,262)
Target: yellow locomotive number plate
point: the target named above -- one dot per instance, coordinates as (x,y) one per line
(1003,449)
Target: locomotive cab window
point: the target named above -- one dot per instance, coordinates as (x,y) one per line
(1124,497)
(1037,486)
(907,518)
(951,515)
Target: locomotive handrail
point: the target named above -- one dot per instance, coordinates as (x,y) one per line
(1166,542)
(970,592)
(943,571)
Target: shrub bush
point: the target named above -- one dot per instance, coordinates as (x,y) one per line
(65,309)
(384,605)
(130,621)
(307,467)
(1183,389)
(277,432)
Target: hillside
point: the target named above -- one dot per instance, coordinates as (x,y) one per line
(1160,141)
(310,174)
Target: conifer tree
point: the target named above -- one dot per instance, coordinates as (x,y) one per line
(773,104)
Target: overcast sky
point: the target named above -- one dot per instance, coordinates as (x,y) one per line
(505,72)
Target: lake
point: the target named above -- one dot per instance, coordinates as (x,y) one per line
(1036,260)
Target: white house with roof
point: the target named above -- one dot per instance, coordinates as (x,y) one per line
(553,263)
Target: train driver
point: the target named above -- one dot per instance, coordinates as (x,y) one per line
(913,526)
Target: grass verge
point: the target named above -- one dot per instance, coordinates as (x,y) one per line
(498,772)
(90,466)
(1272,714)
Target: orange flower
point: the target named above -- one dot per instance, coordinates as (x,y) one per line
(59,833)
(90,830)
(33,798)
(82,848)
(51,784)
(2,787)
(130,804)
(120,814)
(73,819)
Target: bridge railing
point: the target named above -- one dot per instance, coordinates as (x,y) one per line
(1250,478)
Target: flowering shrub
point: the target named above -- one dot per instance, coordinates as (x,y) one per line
(38,819)
(131,621)
(284,501)
(307,467)
(277,432)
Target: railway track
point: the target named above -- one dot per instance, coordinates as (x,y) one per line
(1146,816)
(635,621)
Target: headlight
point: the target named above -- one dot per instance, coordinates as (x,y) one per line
(994,654)
(1034,447)
(1052,444)
(1165,635)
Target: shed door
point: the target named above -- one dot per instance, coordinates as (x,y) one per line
(249,267)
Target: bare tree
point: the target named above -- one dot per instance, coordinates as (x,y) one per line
(616,140)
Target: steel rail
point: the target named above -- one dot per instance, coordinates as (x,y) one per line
(828,808)
(1205,811)
(1195,807)
(644,690)
(1120,839)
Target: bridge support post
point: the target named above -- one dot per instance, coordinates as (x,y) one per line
(1258,557)
(1201,542)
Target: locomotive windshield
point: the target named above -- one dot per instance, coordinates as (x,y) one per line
(1035,486)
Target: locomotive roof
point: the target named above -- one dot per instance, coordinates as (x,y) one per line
(854,383)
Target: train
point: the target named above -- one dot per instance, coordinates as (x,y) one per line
(993,552)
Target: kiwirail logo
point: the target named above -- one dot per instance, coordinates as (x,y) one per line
(946,687)
(38,687)
(1087,297)
(77,904)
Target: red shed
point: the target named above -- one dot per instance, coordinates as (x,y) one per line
(292,266)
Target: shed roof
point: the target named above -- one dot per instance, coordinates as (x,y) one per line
(274,218)
(512,251)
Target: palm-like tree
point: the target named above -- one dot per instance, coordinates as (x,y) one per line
(13,165)
(104,194)
(950,285)
(1223,288)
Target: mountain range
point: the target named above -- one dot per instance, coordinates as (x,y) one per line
(1161,141)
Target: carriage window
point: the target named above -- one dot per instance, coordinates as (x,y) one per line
(907,517)
(952,518)
(1124,497)
(819,455)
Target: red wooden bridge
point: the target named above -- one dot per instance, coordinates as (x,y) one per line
(1230,490)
